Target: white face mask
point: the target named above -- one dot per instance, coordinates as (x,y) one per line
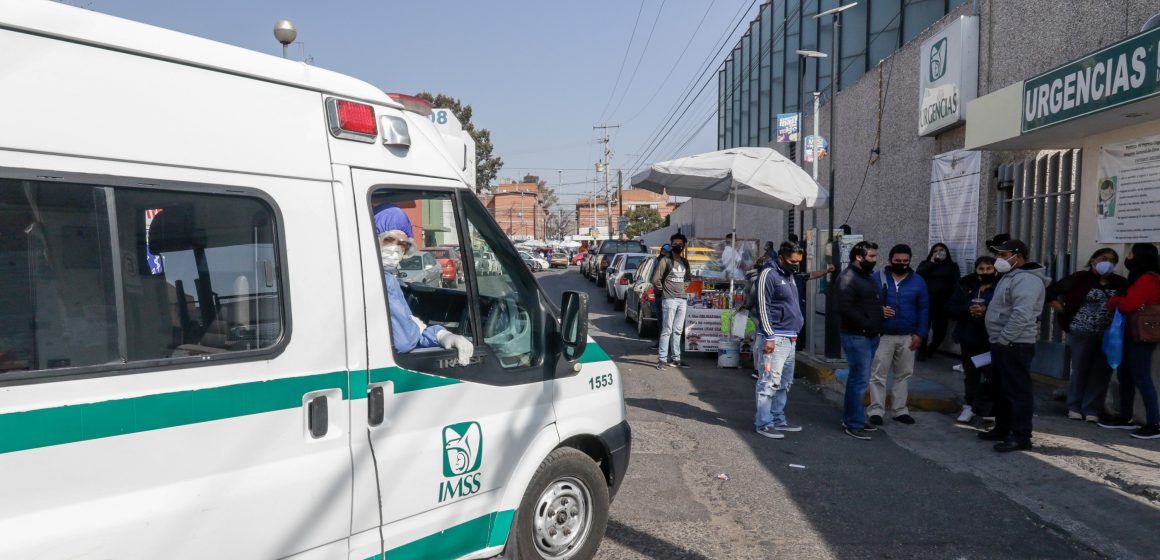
(1002,266)
(940,255)
(391,255)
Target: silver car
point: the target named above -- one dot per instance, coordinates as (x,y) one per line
(619,276)
(421,269)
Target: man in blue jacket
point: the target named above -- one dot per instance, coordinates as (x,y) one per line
(779,319)
(907,312)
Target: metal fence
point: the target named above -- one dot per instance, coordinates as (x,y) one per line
(1039,204)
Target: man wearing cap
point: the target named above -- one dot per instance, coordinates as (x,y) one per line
(407,331)
(1012,327)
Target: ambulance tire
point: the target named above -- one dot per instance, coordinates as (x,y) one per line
(566,479)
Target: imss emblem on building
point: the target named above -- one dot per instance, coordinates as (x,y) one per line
(938,60)
(462,457)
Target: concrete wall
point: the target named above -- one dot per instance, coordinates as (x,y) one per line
(1018,39)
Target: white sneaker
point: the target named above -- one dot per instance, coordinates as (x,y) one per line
(966,415)
(957,367)
(1073,415)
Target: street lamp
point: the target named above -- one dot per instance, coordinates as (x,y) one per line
(833,342)
(285,33)
(802,56)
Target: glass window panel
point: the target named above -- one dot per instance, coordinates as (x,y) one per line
(918,15)
(885,20)
(810,43)
(728,102)
(777,65)
(743,82)
(792,44)
(754,75)
(721,109)
(853,47)
(763,117)
(736,93)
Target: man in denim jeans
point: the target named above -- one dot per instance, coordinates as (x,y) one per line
(779,319)
(671,279)
(860,306)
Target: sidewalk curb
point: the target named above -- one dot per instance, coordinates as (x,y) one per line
(823,373)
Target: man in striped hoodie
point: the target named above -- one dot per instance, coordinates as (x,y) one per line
(779,318)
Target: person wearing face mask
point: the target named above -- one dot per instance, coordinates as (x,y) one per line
(941,275)
(861,314)
(408,332)
(671,279)
(1080,302)
(906,310)
(1012,327)
(967,307)
(1143,264)
(779,320)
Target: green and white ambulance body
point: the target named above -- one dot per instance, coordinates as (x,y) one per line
(196,350)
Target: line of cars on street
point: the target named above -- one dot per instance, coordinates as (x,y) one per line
(624,269)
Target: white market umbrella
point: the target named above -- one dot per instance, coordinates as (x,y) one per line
(755,176)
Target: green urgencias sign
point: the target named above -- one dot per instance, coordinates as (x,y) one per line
(1117,74)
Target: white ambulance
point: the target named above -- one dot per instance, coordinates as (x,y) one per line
(196,349)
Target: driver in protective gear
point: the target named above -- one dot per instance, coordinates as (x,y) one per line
(408,332)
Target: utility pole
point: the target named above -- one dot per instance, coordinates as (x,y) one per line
(604,166)
(619,199)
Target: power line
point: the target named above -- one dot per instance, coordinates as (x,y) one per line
(672,68)
(627,49)
(643,52)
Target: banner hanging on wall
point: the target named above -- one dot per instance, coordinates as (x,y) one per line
(1128,192)
(954,204)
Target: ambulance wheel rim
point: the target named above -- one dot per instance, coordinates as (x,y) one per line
(562,518)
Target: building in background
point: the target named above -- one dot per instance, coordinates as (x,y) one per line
(1066,101)
(593,214)
(518,210)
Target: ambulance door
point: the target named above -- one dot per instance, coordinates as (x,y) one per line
(161,395)
(446,437)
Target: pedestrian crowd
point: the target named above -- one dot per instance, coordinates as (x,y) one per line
(892,317)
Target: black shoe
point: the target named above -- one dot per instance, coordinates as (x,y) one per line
(876,420)
(870,428)
(992,436)
(904,418)
(1117,423)
(1149,431)
(661,365)
(858,433)
(1013,444)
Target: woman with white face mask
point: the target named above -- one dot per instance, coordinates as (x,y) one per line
(1080,304)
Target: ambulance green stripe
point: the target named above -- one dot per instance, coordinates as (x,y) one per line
(467,537)
(593,353)
(81,422)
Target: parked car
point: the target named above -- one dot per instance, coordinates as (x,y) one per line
(586,263)
(575,260)
(421,269)
(639,297)
(558,260)
(620,275)
(536,264)
(606,251)
(448,259)
(486,264)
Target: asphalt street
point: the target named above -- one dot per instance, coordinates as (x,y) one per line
(815,494)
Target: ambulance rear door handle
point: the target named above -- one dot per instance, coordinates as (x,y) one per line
(317,417)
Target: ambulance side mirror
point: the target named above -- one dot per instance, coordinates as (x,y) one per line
(574,324)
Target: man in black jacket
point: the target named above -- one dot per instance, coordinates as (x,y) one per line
(862,314)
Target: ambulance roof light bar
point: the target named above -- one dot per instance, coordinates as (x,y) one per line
(413,104)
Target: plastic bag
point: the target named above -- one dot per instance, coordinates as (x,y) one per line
(1114,341)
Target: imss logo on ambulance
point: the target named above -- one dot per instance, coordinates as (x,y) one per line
(462,457)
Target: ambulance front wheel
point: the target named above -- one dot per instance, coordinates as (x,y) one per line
(564,510)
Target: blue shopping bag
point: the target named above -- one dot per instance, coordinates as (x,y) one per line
(1114,341)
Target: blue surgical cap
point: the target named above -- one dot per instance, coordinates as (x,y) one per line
(389,217)
(667,247)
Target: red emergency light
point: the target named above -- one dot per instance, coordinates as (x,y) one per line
(350,120)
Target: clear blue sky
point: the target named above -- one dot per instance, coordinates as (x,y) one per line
(538,74)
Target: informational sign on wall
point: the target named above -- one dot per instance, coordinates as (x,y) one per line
(787,127)
(949,69)
(954,204)
(1128,192)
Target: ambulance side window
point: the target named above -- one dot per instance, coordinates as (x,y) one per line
(508,294)
(99,276)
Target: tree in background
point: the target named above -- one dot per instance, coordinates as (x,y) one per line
(642,220)
(548,197)
(560,224)
(486,165)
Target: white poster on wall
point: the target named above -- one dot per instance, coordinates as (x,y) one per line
(1128,192)
(954,203)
